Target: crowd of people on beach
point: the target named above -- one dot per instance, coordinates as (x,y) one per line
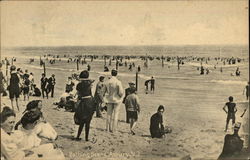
(108,97)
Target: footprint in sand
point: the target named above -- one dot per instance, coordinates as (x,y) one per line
(88,148)
(94,140)
(180,145)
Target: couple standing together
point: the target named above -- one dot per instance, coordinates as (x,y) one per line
(112,96)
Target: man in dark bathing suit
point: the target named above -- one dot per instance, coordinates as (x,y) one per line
(231,110)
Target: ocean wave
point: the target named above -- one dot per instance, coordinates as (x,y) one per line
(217,65)
(53,68)
(229,82)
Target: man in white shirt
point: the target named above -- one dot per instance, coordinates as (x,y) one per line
(113,97)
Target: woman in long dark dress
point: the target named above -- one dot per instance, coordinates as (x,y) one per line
(86,107)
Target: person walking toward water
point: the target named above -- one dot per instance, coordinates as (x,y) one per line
(99,94)
(113,97)
(139,68)
(44,82)
(85,109)
(128,92)
(231,110)
(14,89)
(133,108)
(246,89)
(146,85)
(152,86)
(51,85)
(88,67)
(202,70)
(237,72)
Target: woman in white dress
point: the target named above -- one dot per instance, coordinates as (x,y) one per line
(9,148)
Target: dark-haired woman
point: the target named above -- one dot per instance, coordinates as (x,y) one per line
(9,148)
(43,128)
(86,107)
(27,139)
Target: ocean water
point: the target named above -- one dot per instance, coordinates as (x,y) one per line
(192,100)
(193,50)
(169,79)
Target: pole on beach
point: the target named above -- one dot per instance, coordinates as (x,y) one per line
(136,80)
(178,61)
(6,71)
(44,68)
(162,61)
(116,65)
(105,60)
(77,64)
(6,68)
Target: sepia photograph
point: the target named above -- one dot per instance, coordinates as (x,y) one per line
(124,80)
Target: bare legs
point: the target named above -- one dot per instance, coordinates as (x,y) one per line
(132,125)
(112,116)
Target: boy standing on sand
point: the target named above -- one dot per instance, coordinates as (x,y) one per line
(127,92)
(231,110)
(133,108)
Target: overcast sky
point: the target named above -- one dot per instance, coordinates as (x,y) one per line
(123,23)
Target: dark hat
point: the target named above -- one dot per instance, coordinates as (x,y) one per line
(30,118)
(114,72)
(84,74)
(32,105)
(101,78)
(13,68)
(161,107)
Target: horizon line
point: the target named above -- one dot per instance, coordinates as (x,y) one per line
(3,47)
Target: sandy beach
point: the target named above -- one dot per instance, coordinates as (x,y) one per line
(193,110)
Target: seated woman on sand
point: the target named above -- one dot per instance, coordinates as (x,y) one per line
(27,138)
(157,129)
(68,98)
(9,148)
(42,127)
